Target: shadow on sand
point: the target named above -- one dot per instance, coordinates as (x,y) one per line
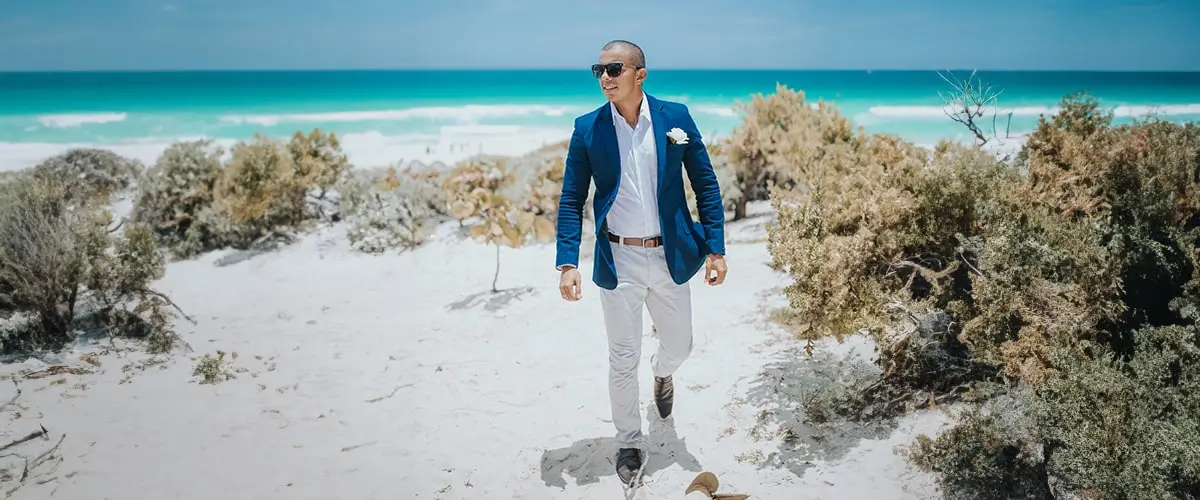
(492,301)
(590,459)
(795,397)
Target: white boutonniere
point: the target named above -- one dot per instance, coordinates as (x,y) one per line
(677,136)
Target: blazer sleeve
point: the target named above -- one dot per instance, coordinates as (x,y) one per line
(704,184)
(577,177)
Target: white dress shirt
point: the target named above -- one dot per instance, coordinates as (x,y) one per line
(634,212)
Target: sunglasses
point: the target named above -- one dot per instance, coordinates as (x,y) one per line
(613,69)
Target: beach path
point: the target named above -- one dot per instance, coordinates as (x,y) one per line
(403,376)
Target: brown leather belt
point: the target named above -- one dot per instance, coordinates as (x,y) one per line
(637,242)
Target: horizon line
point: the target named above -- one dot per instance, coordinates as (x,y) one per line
(573,69)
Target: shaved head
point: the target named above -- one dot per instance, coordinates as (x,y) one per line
(636,56)
(620,70)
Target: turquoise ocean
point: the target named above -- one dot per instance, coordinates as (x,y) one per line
(381,113)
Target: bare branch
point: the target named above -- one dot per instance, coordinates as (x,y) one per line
(33,435)
(168,301)
(967,103)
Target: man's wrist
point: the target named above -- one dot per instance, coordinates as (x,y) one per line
(565,267)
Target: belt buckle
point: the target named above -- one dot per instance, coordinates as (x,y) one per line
(651,242)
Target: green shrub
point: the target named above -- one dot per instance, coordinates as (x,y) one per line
(175,199)
(90,173)
(65,267)
(1099,240)
(268,192)
(983,457)
(388,210)
(1101,428)
(1070,278)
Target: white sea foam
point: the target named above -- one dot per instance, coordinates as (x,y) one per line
(462,114)
(1121,111)
(728,111)
(725,111)
(368,149)
(68,120)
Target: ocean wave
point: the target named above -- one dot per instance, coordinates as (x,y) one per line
(463,114)
(68,120)
(364,149)
(1121,111)
(729,111)
(725,111)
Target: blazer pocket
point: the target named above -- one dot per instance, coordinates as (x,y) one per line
(675,151)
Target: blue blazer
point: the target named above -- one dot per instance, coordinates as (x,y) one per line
(593,156)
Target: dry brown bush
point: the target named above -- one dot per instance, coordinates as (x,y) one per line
(776,143)
(268,191)
(878,223)
(1100,239)
(1073,272)
(873,243)
(481,192)
(320,164)
(1088,298)
(261,187)
(545,186)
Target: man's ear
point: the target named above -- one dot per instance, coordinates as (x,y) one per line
(641,75)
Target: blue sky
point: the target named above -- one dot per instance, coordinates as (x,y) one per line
(852,34)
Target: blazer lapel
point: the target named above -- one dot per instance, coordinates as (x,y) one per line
(607,136)
(660,138)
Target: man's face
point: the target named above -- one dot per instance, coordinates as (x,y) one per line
(627,83)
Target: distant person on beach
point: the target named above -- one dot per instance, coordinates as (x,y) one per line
(635,148)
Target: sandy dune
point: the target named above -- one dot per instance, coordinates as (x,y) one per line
(401,376)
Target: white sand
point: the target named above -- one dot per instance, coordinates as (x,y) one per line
(371,385)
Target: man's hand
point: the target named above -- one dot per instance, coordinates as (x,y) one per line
(715,264)
(569,284)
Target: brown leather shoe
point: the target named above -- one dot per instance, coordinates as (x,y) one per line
(664,395)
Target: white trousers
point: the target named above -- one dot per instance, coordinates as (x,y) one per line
(642,279)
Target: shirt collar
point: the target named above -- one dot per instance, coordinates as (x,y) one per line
(643,111)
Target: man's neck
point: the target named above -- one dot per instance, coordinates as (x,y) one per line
(631,109)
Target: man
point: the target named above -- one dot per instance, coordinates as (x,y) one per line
(647,245)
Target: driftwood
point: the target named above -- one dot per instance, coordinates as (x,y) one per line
(57,370)
(33,435)
(29,466)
